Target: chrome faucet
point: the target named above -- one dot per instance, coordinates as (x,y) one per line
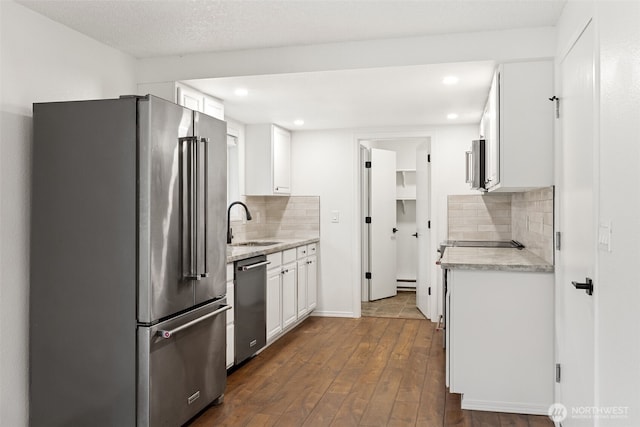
(229,230)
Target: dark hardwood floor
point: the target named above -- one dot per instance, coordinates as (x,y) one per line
(351,372)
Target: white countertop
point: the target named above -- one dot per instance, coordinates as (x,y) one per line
(235,253)
(504,259)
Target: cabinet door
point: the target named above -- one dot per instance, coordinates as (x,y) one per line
(491,136)
(281,161)
(190,98)
(312,282)
(213,107)
(289,301)
(302,287)
(274,303)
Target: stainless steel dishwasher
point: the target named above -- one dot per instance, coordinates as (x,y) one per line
(250,306)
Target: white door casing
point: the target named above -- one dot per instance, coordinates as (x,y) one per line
(575,323)
(382,240)
(423,186)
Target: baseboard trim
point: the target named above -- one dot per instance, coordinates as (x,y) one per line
(317,313)
(510,407)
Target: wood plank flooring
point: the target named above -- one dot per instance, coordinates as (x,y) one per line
(351,372)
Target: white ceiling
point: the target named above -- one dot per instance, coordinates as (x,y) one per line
(378,97)
(397,96)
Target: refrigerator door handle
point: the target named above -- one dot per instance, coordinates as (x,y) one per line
(205,142)
(189,175)
(166,334)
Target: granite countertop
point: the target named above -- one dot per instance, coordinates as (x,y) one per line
(235,253)
(503,259)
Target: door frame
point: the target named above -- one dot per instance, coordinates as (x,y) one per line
(365,138)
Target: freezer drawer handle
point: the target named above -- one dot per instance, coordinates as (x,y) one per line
(252,266)
(167,334)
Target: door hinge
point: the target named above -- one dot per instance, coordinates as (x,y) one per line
(367,220)
(558,240)
(367,275)
(429,290)
(557,100)
(429,224)
(367,164)
(428,158)
(558,373)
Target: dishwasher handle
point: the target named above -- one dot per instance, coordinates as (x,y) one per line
(166,334)
(252,266)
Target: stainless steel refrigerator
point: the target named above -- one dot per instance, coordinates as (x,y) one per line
(127,296)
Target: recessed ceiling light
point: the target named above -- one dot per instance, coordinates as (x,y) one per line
(298,122)
(450,80)
(241,91)
(452,116)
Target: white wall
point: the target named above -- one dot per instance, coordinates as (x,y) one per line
(40,61)
(325,163)
(617,294)
(618,303)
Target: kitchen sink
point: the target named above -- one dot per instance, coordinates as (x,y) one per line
(254,243)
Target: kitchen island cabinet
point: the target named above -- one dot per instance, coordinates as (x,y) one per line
(499,330)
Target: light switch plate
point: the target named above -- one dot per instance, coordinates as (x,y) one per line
(335,216)
(604,236)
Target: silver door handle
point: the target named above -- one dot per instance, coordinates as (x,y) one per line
(467,156)
(205,141)
(190,175)
(252,266)
(168,333)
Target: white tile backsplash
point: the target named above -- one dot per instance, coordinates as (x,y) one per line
(279,217)
(526,217)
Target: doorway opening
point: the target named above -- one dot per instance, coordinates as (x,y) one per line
(395,205)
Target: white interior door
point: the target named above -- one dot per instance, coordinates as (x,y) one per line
(382,241)
(423,185)
(576,259)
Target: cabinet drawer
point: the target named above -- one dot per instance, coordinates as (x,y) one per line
(275,259)
(288,256)
(301,251)
(312,249)
(230,271)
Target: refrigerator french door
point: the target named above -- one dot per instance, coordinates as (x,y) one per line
(128,263)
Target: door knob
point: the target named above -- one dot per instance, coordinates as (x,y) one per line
(395,230)
(415,235)
(587,286)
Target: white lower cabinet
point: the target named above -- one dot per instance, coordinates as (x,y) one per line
(312,283)
(274,303)
(291,289)
(230,315)
(507,363)
(302,287)
(289,312)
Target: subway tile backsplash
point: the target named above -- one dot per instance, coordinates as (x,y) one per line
(526,217)
(480,217)
(278,217)
(532,221)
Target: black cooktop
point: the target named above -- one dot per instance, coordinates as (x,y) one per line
(482,244)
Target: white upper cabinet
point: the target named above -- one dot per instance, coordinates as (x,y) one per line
(268,160)
(518,127)
(186,96)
